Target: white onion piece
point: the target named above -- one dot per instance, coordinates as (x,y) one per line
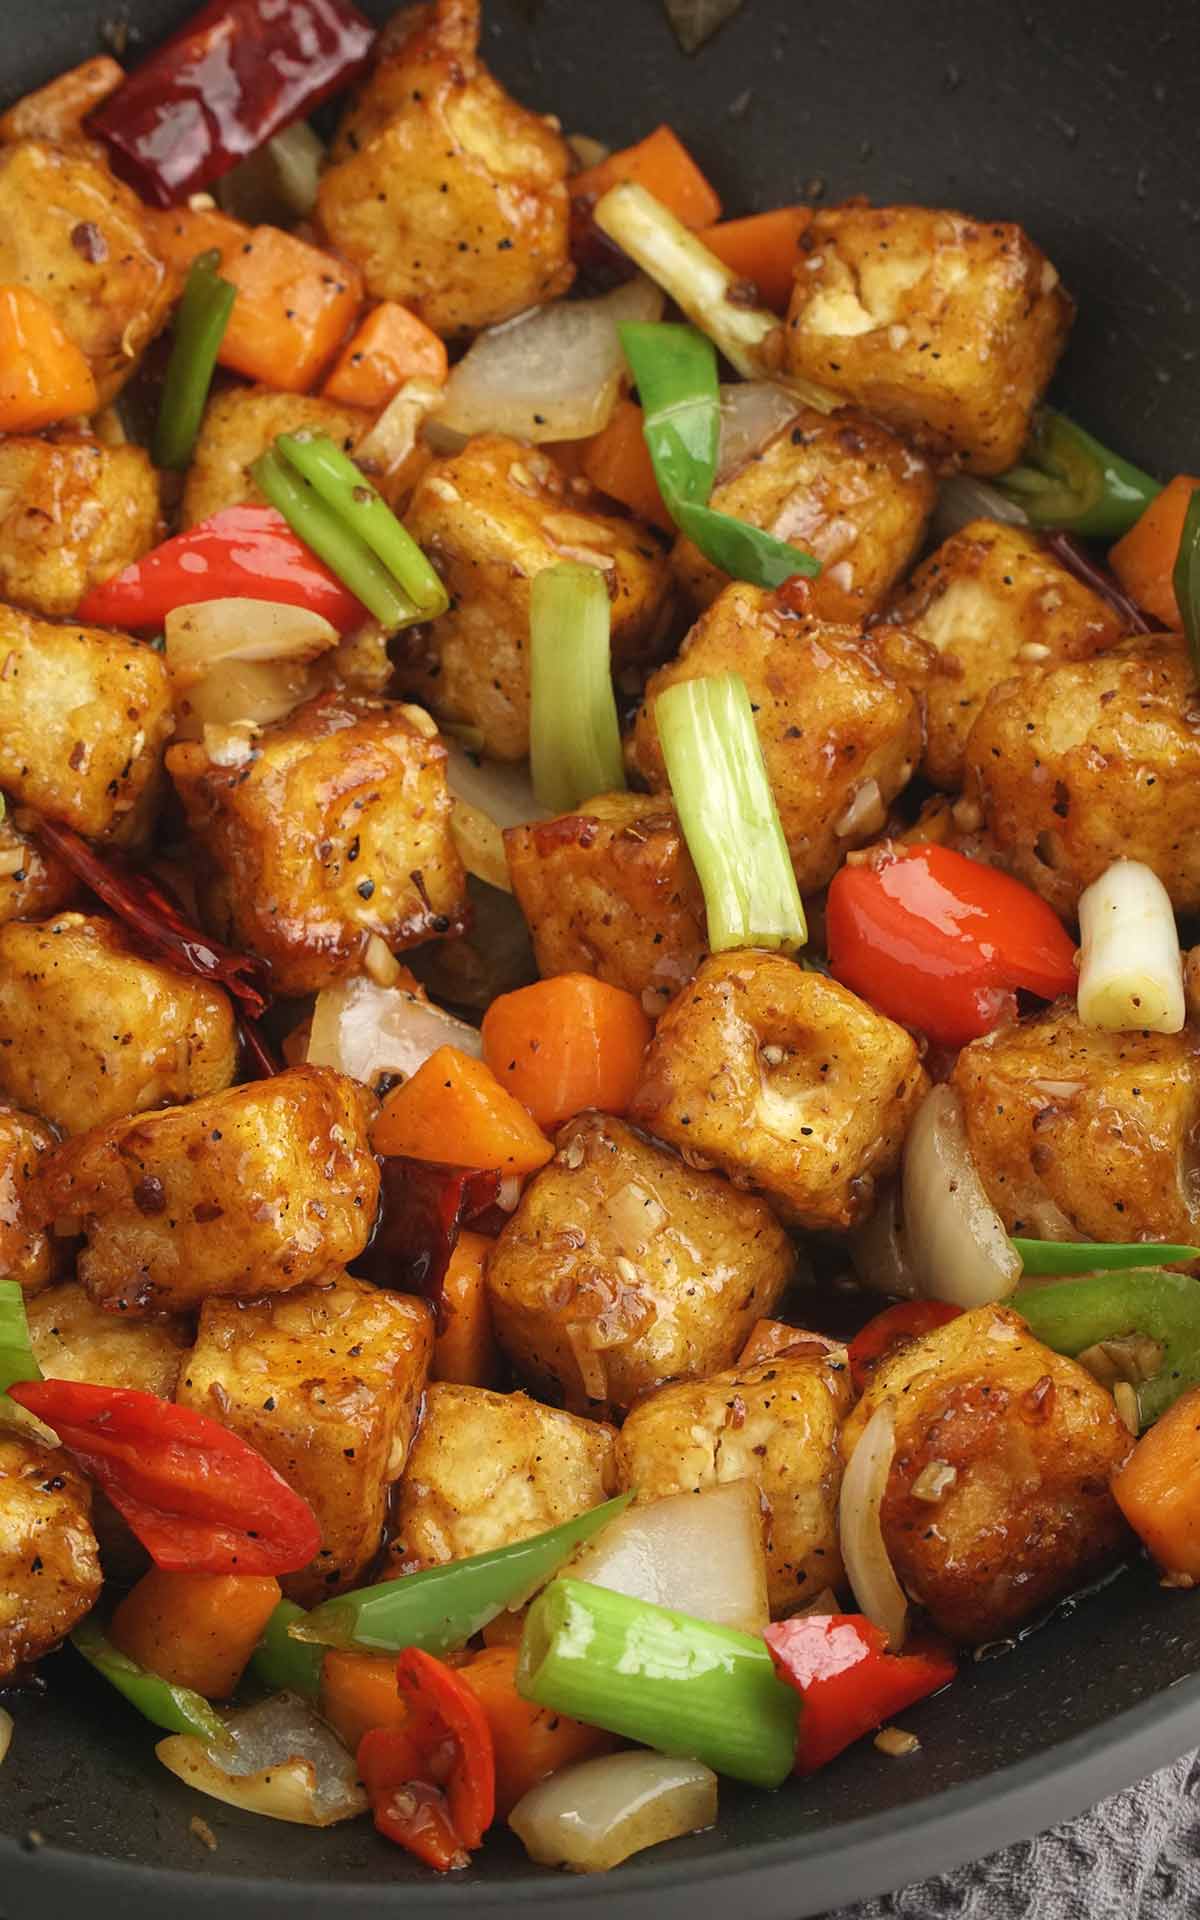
(284,1763)
(868,1567)
(553,374)
(480,845)
(592,1816)
(394,435)
(489,795)
(6,1733)
(365,1030)
(277,183)
(701,1553)
(752,412)
(242,693)
(200,636)
(963,498)
(1130,967)
(878,1249)
(956,1241)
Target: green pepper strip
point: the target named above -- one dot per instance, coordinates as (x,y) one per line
(1185,578)
(1095,1256)
(283,1663)
(440,1608)
(179,1709)
(199,330)
(343,486)
(675,369)
(337,544)
(1066,479)
(1076,1314)
(17,1359)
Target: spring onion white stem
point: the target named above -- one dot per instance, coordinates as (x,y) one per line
(574,736)
(1130,970)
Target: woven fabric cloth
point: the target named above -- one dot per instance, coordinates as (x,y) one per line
(1134,1857)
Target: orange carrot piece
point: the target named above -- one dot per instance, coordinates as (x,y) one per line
(1158,1488)
(764,248)
(506,1629)
(662,164)
(390,347)
(617,460)
(465,1348)
(195,1629)
(565,1044)
(180,233)
(768,1338)
(1144,558)
(529,1742)
(44,376)
(358,1692)
(57,110)
(455,1110)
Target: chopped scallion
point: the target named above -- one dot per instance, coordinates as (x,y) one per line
(1090,1256)
(342,486)
(334,542)
(17,1360)
(200,325)
(1186,578)
(574,736)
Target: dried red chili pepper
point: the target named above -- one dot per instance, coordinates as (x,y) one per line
(424,1208)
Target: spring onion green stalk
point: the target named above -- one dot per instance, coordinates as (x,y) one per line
(1186,578)
(1130,966)
(574,736)
(199,330)
(283,1663)
(1077,1314)
(728,814)
(1067,480)
(334,542)
(688,1688)
(342,486)
(1088,1256)
(179,1709)
(17,1361)
(440,1608)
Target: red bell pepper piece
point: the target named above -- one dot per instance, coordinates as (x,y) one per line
(432,1782)
(238,72)
(247,553)
(941,943)
(849,1683)
(199,1498)
(893,1328)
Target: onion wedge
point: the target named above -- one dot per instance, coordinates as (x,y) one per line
(366,1031)
(1130,967)
(701,1553)
(958,1250)
(592,1816)
(868,1566)
(285,1764)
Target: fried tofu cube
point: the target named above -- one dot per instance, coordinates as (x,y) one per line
(945,327)
(255,1190)
(839,486)
(335,830)
(73,1339)
(992,602)
(1079,763)
(326,1382)
(839,728)
(489,1469)
(28,1254)
(49,1561)
(244,422)
(611,890)
(84,716)
(624,1267)
(91,1031)
(775,1424)
(73,232)
(72,513)
(33,881)
(489,518)
(785,1080)
(1031,1441)
(449,195)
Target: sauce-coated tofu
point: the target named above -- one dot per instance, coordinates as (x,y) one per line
(74,1339)
(242,423)
(28,1254)
(72,513)
(33,881)
(49,1563)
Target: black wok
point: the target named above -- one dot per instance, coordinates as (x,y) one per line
(1080,120)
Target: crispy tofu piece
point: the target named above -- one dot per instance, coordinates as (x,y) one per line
(244,422)
(611,890)
(945,327)
(785,1080)
(72,513)
(336,828)
(489,518)
(775,1424)
(84,716)
(840,730)
(1032,1440)
(73,1339)
(623,1267)
(992,602)
(1080,763)
(488,1469)
(74,233)
(91,1031)
(255,1190)
(839,486)
(49,1562)
(326,1382)
(448,195)
(36,882)
(28,1254)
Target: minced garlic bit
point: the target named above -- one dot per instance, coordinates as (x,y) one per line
(934,1481)
(896,1743)
(201,1831)
(1127,1404)
(379,963)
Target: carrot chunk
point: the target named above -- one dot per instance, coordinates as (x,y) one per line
(390,347)
(358,1692)
(566,1044)
(662,164)
(1158,1488)
(454,1110)
(617,460)
(529,1742)
(1144,558)
(43,374)
(465,1348)
(196,1630)
(764,248)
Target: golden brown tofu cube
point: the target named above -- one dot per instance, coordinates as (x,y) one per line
(839,486)
(947,328)
(337,828)
(611,890)
(91,1031)
(1031,1440)
(73,1339)
(326,1382)
(77,235)
(1078,764)
(244,422)
(623,1267)
(449,195)
(28,1254)
(33,880)
(839,729)
(255,1190)
(785,1080)
(489,518)
(992,602)
(72,513)
(49,1562)
(775,1424)
(84,716)
(488,1469)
